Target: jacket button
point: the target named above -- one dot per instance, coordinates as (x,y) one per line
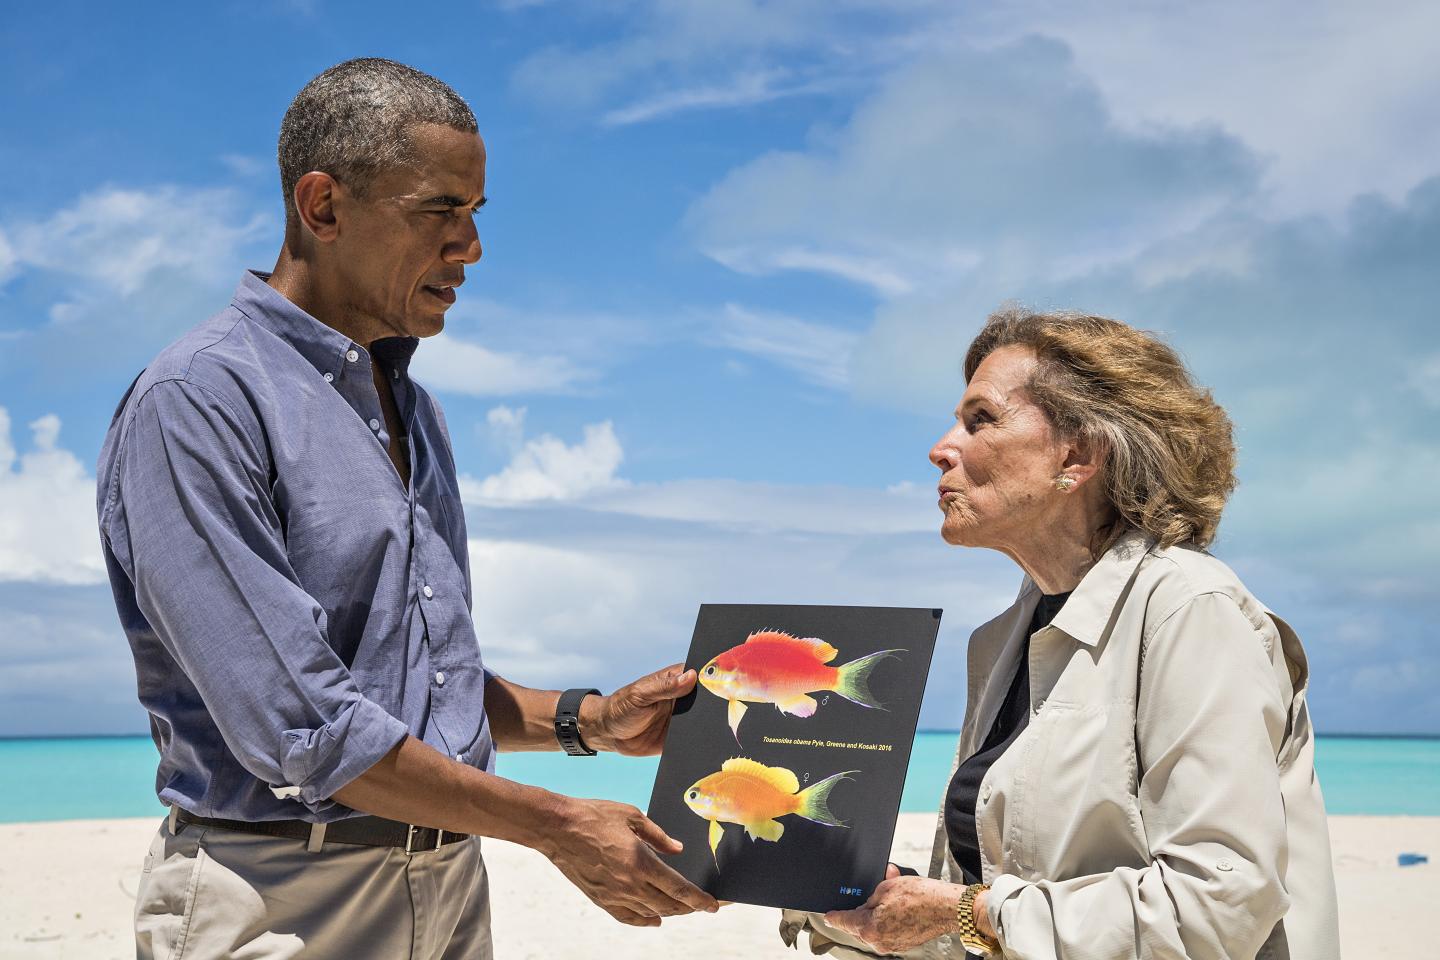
(1224,864)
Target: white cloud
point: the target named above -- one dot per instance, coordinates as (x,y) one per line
(584,476)
(48,531)
(743,90)
(820,354)
(1324,90)
(533,598)
(449,364)
(1425,379)
(775,508)
(546,468)
(884,277)
(119,238)
(666,56)
(8,260)
(244,165)
(1001,161)
(65,668)
(507,426)
(111,278)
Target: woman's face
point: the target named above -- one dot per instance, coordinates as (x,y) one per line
(999,462)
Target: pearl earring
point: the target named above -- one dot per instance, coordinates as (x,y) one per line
(1064,482)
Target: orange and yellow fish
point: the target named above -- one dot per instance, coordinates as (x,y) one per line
(774,667)
(753,795)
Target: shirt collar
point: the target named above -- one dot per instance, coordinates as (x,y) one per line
(1091,606)
(327,349)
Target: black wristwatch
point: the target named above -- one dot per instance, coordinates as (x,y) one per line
(567,722)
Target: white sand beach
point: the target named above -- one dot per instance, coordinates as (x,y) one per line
(66,891)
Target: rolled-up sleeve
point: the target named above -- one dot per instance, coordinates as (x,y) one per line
(192,522)
(1210,720)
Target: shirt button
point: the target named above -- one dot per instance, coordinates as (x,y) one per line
(985,793)
(374,424)
(1224,864)
(397,377)
(427,591)
(1038,704)
(352,355)
(440,678)
(329,377)
(460,757)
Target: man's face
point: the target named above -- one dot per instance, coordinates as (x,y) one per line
(401,251)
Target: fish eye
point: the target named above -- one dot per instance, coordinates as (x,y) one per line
(710,670)
(693,795)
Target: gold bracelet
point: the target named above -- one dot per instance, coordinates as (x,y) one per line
(970,936)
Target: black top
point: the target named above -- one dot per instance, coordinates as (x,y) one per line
(1013,716)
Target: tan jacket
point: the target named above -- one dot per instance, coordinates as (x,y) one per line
(1162,801)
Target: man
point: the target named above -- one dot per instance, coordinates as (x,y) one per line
(284,536)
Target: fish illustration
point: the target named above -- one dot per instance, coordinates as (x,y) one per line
(753,795)
(774,667)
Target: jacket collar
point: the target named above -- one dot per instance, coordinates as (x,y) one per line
(1087,613)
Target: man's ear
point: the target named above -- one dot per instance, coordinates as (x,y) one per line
(315,196)
(1084,457)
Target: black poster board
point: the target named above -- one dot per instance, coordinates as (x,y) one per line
(791,752)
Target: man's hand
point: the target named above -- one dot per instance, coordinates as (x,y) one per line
(633,720)
(608,851)
(902,913)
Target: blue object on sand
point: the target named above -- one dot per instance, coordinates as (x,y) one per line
(1410,859)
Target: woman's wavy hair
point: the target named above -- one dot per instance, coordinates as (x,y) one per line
(1170,464)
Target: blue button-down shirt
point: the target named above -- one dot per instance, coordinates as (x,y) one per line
(294,610)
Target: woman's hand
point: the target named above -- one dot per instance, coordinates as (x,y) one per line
(903,912)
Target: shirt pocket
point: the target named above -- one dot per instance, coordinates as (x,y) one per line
(1077,808)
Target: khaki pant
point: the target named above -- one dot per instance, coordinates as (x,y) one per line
(208,893)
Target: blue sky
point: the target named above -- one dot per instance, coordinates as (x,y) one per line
(733,255)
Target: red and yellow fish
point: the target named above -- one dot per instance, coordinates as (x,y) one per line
(755,796)
(774,667)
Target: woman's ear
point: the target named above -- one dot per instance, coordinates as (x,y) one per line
(1084,457)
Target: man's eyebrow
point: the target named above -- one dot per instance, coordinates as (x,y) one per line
(446,200)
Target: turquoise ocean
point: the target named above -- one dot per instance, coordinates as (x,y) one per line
(103,777)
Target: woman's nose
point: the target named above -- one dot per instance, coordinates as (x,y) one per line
(943,454)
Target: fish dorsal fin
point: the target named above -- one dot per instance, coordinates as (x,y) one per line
(819,649)
(778,777)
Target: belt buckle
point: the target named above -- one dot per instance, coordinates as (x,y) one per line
(410,829)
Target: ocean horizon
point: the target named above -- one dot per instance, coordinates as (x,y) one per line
(110,776)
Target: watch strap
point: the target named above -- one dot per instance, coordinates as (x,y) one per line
(970,936)
(567,722)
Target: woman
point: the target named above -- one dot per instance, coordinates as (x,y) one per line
(1135,774)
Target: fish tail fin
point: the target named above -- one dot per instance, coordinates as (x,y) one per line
(815,800)
(854,681)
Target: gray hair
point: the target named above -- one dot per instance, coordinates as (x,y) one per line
(1171,454)
(353,121)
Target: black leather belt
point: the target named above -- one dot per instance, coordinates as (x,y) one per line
(365,831)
